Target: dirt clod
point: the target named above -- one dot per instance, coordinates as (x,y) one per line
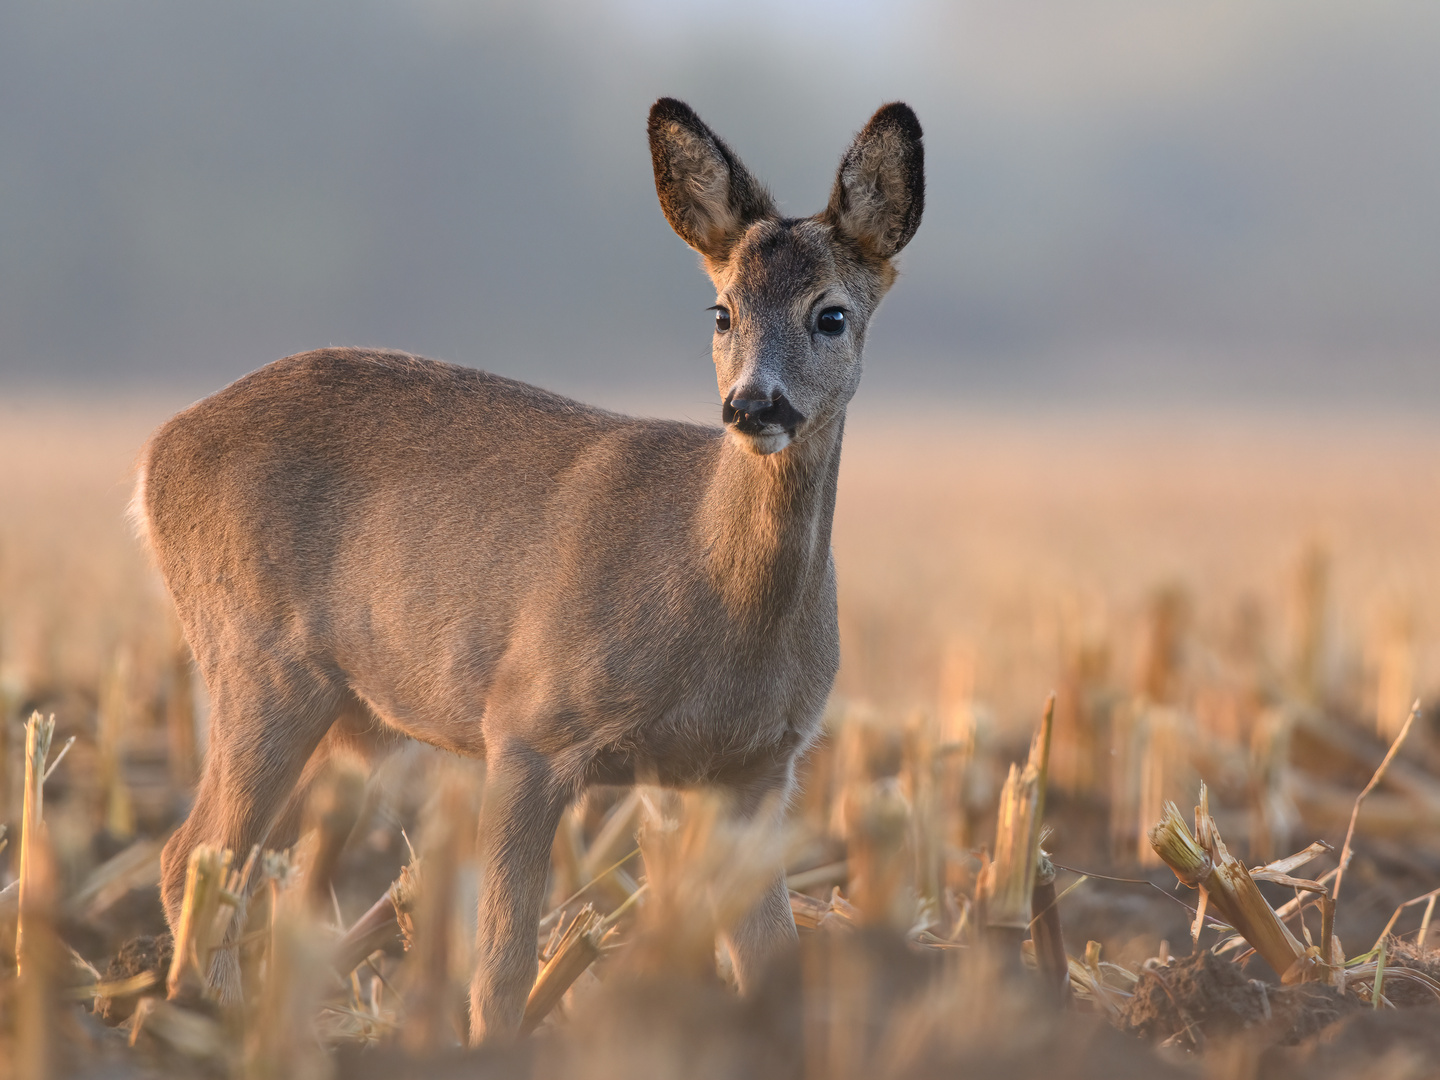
(1201,996)
(135,957)
(1204,996)
(1404,989)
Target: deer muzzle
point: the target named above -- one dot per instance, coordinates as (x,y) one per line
(762,416)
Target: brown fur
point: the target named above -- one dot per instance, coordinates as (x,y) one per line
(366,544)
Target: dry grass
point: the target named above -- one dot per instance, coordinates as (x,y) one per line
(1241,601)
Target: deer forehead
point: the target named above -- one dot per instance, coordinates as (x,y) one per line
(784,265)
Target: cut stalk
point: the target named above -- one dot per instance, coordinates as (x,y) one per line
(281,1037)
(39,731)
(180,717)
(1311,600)
(374,930)
(579,947)
(39,955)
(1203,862)
(205,917)
(1050,957)
(878,823)
(389,920)
(448,840)
(1327,928)
(1011,881)
(111,736)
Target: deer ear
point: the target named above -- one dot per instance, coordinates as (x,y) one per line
(708,196)
(879,192)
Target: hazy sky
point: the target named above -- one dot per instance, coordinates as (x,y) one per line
(1155,198)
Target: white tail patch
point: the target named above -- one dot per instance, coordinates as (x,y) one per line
(135,511)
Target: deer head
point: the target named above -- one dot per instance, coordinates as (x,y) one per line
(794,296)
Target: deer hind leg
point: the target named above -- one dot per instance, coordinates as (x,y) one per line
(356,735)
(520,813)
(267,717)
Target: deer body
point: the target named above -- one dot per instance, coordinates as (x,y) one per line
(366,544)
(638,631)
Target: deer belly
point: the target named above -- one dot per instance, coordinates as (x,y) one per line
(727,739)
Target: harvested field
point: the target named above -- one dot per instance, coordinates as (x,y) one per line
(1247,603)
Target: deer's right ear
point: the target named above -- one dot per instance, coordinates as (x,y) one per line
(708,196)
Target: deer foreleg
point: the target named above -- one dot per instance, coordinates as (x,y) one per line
(769,925)
(521,810)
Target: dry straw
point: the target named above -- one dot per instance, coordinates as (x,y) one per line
(878,821)
(210,911)
(112,732)
(280,1037)
(1203,862)
(1010,881)
(577,948)
(705,869)
(1345,852)
(37,949)
(38,734)
(433,1016)
(1045,932)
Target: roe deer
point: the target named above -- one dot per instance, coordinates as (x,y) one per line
(365,545)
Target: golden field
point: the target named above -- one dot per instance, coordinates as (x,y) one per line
(1249,600)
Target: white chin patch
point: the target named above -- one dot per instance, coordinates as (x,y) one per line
(767,443)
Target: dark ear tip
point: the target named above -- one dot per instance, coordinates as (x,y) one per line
(900,116)
(668,109)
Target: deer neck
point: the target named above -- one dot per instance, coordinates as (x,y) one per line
(766,523)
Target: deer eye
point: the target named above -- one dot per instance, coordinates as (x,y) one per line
(722,320)
(831,322)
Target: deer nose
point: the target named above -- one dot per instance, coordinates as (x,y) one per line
(751,416)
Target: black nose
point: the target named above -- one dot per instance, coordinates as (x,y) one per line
(752,417)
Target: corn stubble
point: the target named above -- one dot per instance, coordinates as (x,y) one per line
(897,968)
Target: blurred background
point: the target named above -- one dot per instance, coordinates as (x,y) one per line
(1129,200)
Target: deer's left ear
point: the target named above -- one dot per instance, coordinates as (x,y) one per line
(879,192)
